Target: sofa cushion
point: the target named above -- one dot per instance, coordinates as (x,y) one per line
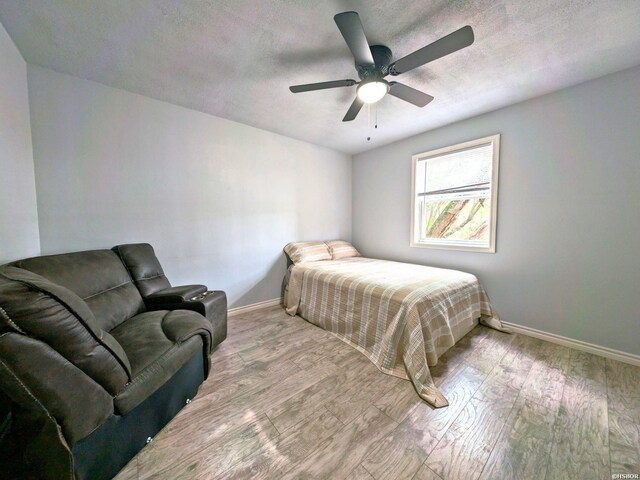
(158,344)
(35,307)
(144,267)
(96,276)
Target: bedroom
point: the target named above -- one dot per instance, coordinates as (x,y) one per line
(168,124)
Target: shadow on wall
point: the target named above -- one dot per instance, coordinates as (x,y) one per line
(263,289)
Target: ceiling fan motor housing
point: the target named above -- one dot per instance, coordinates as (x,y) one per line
(381,57)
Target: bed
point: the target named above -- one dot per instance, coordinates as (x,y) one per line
(403,317)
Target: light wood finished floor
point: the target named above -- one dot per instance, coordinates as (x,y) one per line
(288,400)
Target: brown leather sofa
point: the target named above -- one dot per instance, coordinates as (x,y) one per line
(97,353)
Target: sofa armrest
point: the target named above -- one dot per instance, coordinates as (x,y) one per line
(211,304)
(32,369)
(172,295)
(5,416)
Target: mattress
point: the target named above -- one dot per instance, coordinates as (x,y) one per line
(403,317)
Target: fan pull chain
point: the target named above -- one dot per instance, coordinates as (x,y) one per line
(376,116)
(375,113)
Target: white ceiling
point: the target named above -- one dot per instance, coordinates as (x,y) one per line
(236,58)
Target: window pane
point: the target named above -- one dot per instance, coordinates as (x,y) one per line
(456,169)
(466,219)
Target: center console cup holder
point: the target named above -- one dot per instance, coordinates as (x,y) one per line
(202,296)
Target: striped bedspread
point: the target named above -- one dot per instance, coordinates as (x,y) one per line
(401,316)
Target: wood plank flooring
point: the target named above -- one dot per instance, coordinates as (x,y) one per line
(287,400)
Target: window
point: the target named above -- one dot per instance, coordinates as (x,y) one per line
(454,196)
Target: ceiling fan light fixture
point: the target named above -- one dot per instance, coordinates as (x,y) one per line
(373,91)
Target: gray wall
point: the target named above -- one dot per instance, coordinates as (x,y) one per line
(218,200)
(18,213)
(568,260)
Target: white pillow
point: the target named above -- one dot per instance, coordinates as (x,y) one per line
(301,252)
(342,249)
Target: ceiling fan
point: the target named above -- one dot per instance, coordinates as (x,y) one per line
(373,63)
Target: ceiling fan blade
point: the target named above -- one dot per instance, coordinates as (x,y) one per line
(408,94)
(309,87)
(351,28)
(451,43)
(353,111)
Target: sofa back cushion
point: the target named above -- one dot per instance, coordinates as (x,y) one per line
(35,307)
(96,276)
(144,267)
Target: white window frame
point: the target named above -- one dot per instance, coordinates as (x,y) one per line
(449,244)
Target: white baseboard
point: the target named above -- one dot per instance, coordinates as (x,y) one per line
(521,329)
(254,306)
(576,344)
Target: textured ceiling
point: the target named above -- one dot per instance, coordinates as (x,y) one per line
(236,58)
